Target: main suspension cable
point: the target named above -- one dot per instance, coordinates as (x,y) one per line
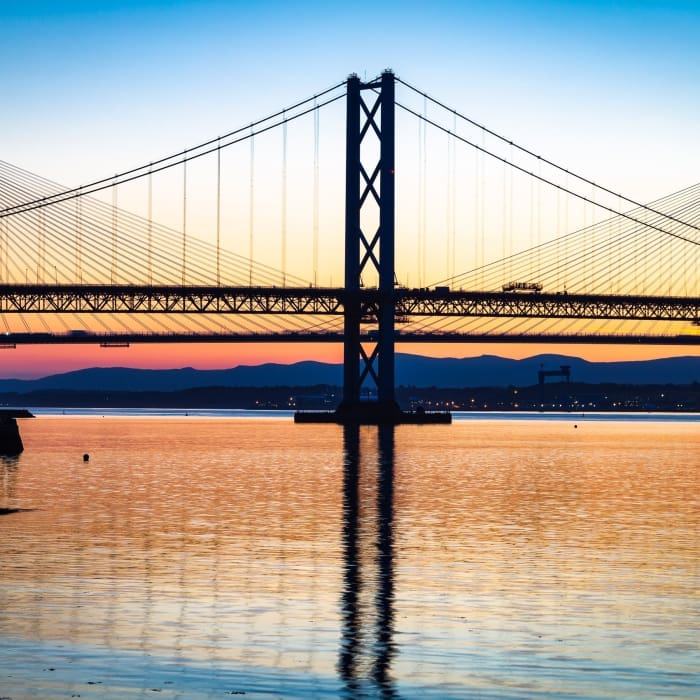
(180,157)
(539,158)
(541,178)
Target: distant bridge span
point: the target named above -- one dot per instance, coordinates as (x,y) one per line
(9,340)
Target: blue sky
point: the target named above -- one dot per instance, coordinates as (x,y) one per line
(91,87)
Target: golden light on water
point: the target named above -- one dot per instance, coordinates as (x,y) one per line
(266,545)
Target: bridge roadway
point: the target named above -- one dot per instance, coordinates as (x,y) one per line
(91,299)
(408,303)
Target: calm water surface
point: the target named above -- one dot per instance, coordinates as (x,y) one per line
(199,557)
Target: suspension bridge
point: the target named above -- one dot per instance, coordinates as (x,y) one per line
(441,229)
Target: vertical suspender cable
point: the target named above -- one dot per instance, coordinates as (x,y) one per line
(504,220)
(482,207)
(149,266)
(635,270)
(453,213)
(566,227)
(40,243)
(184,217)
(3,249)
(477,179)
(593,218)
(6,246)
(448,208)
(584,206)
(645,269)
(315,194)
(284,201)
(6,237)
(566,205)
(77,239)
(558,238)
(421,187)
(424,222)
(218,213)
(532,221)
(80,240)
(113,273)
(252,205)
(510,216)
(44,264)
(421,195)
(539,216)
(615,257)
(588,277)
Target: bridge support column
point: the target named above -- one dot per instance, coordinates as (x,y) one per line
(368,358)
(369,296)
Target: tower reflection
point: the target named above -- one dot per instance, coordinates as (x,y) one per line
(367,645)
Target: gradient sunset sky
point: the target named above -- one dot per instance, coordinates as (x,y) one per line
(610,89)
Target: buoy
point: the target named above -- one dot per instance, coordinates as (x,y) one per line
(86,457)
(575,426)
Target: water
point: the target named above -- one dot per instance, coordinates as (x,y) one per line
(196,556)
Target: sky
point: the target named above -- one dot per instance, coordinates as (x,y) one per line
(610,89)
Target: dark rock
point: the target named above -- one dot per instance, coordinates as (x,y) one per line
(10,440)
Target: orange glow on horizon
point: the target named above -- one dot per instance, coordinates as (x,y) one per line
(33,361)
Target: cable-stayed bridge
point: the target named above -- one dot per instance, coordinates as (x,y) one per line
(440,230)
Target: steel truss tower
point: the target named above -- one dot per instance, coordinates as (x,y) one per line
(370,297)
(369,252)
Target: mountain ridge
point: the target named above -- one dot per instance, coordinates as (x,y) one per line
(411,370)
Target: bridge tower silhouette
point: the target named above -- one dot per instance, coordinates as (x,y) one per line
(370,258)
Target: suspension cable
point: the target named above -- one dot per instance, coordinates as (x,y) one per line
(554,184)
(178,158)
(539,158)
(133,230)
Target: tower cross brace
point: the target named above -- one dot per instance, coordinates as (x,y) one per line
(369,250)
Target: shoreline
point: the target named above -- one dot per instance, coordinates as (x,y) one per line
(156,412)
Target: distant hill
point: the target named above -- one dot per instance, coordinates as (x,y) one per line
(127,379)
(490,370)
(411,370)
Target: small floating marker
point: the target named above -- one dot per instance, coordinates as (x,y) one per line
(86,457)
(575,426)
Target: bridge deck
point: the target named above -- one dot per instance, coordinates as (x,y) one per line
(410,305)
(131,299)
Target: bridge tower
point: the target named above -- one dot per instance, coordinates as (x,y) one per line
(369,297)
(369,252)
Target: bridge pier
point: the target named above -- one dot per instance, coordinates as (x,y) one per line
(369,297)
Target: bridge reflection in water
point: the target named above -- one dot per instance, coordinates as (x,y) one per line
(205,557)
(367,603)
